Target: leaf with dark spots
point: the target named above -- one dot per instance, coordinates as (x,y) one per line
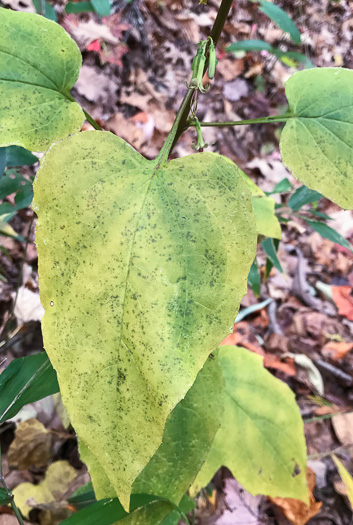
(36,77)
(126,305)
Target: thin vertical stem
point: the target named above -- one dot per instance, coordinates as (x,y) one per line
(216,31)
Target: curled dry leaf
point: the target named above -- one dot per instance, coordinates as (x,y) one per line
(31,446)
(295,510)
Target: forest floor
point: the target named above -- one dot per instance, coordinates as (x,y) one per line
(135,64)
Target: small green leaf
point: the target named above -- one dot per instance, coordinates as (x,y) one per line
(317,140)
(282,187)
(270,250)
(303,196)
(17,156)
(101,7)
(39,64)
(249,45)
(261,439)
(286,57)
(281,19)
(329,233)
(5,496)
(254,278)
(25,380)
(166,293)
(79,7)
(49,11)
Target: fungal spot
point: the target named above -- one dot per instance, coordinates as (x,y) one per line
(296,471)
(51,303)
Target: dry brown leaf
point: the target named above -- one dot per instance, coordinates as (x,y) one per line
(295,510)
(343,427)
(31,446)
(342,296)
(336,351)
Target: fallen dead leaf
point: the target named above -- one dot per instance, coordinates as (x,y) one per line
(343,427)
(296,511)
(336,351)
(342,297)
(31,446)
(58,478)
(242,336)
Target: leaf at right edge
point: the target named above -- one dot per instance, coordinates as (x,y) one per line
(317,140)
(25,380)
(141,274)
(39,64)
(329,233)
(261,439)
(346,478)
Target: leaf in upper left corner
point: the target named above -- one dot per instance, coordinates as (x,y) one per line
(39,64)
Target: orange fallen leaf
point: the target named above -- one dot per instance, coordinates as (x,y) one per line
(335,350)
(343,299)
(287,366)
(296,511)
(242,336)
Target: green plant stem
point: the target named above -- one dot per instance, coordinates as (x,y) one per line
(87,115)
(220,20)
(12,502)
(92,121)
(261,120)
(216,31)
(168,145)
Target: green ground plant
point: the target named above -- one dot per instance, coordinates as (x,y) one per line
(143,264)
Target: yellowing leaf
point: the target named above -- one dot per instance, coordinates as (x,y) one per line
(266,221)
(264,210)
(346,478)
(261,439)
(188,435)
(142,269)
(56,482)
(317,140)
(39,64)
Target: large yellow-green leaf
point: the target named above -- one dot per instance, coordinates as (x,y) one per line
(261,439)
(317,140)
(39,64)
(188,435)
(142,269)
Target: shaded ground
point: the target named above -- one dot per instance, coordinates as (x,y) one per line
(135,64)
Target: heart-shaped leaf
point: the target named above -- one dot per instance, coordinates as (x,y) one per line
(142,268)
(317,140)
(39,64)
